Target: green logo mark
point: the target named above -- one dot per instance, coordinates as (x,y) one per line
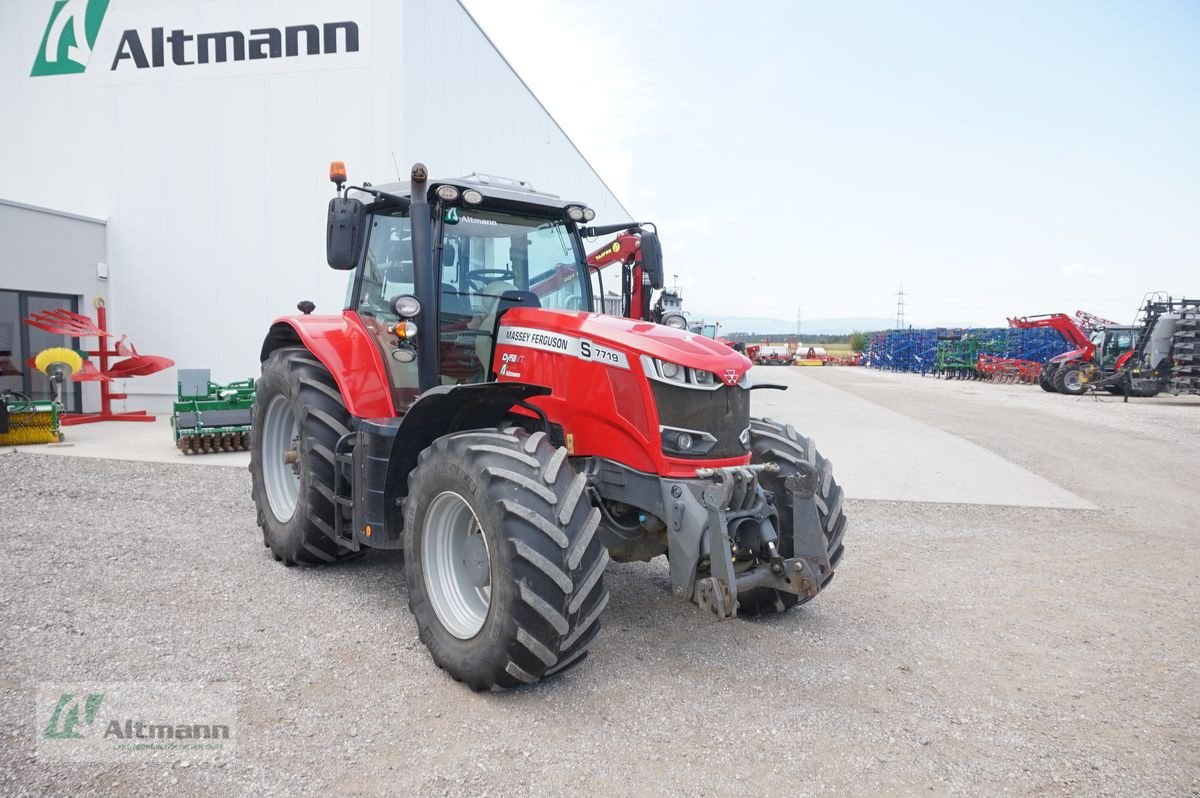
(451,216)
(69,37)
(67,716)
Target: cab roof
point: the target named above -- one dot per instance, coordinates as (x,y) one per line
(491,187)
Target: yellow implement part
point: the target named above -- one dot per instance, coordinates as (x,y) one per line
(29,428)
(808,362)
(58,354)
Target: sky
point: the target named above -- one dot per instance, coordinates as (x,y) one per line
(993,159)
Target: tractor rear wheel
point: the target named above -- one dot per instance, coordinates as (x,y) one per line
(1068,379)
(298,416)
(505,571)
(1046,378)
(772,442)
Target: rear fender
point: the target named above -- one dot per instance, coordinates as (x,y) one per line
(345,347)
(387,449)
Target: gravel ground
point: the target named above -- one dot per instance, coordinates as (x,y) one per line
(962,649)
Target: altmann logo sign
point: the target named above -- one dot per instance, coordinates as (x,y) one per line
(70,34)
(73,36)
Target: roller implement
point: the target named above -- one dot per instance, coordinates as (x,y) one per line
(467,407)
(211,418)
(24,421)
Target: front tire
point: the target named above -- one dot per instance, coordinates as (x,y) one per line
(772,442)
(503,564)
(298,414)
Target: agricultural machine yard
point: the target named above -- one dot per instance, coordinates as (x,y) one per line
(1012,617)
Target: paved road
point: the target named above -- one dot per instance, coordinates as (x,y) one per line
(977,649)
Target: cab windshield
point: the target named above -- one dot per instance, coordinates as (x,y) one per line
(483,256)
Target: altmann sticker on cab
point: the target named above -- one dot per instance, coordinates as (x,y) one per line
(562,344)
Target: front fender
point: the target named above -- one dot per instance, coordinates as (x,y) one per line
(387,449)
(346,348)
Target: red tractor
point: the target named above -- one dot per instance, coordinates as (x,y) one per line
(467,408)
(1101,347)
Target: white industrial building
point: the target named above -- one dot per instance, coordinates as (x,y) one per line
(172,158)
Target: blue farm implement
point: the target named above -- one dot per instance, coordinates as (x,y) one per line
(972,353)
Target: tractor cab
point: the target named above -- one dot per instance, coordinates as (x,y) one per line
(1111,343)
(497,244)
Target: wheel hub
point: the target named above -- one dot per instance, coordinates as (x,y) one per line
(456,565)
(280,457)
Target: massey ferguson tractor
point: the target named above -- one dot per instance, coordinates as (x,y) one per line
(466,407)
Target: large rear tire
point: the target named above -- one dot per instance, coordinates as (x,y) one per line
(1068,379)
(505,570)
(1046,377)
(298,416)
(772,442)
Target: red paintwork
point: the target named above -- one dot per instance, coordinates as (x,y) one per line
(600,413)
(1068,328)
(346,348)
(627,249)
(1123,360)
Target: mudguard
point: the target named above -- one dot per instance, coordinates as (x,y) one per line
(345,347)
(386,449)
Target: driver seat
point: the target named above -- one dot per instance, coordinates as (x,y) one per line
(499,297)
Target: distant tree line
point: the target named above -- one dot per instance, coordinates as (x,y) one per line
(857,341)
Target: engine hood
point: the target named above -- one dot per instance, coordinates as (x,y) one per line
(637,337)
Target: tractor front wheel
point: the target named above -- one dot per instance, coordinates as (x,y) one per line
(503,564)
(772,442)
(298,416)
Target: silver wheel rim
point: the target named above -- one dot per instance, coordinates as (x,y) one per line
(1071,381)
(280,435)
(446,543)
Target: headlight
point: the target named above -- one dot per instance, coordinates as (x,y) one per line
(406,306)
(447,193)
(676,374)
(575,213)
(472,197)
(686,442)
(588,214)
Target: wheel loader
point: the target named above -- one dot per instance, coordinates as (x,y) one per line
(468,408)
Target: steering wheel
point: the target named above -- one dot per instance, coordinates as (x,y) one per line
(478,279)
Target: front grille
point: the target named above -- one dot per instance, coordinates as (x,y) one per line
(724,413)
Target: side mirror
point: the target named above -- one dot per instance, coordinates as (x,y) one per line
(344,237)
(652,259)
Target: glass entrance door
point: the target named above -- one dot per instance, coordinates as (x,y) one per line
(19,343)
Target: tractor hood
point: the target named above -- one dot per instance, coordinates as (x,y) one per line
(634,337)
